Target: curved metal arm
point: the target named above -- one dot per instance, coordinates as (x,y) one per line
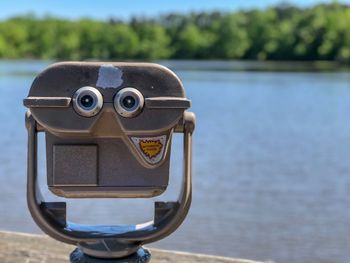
(34,197)
(76,234)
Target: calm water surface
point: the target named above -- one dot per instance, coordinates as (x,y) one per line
(271,169)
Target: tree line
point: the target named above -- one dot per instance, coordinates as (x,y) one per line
(283,32)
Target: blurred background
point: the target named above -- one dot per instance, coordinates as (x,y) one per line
(270,85)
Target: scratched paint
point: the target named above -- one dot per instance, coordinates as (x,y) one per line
(109,77)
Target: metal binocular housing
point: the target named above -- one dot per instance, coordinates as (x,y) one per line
(108,130)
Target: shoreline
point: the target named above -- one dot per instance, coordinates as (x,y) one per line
(34,248)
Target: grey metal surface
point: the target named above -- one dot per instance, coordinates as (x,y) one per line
(45,102)
(117,173)
(64,79)
(108,161)
(133,150)
(75,165)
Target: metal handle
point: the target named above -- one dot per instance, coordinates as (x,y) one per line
(47,102)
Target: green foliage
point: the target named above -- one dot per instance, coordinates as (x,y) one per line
(232,38)
(284,32)
(153,40)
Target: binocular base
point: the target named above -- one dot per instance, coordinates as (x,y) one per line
(141,256)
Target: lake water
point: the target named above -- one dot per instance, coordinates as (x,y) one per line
(271,163)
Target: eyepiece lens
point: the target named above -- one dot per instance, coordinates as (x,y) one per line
(87,101)
(128,102)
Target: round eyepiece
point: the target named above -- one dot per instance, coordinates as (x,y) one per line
(87,101)
(128,102)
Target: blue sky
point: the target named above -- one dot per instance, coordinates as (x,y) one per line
(102,9)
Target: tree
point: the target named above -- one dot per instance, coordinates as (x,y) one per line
(284,32)
(154,41)
(192,43)
(232,40)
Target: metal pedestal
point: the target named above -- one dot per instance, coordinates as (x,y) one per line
(141,256)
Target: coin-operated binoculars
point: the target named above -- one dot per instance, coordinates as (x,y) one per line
(108,130)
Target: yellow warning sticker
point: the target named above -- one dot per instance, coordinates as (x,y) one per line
(151,148)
